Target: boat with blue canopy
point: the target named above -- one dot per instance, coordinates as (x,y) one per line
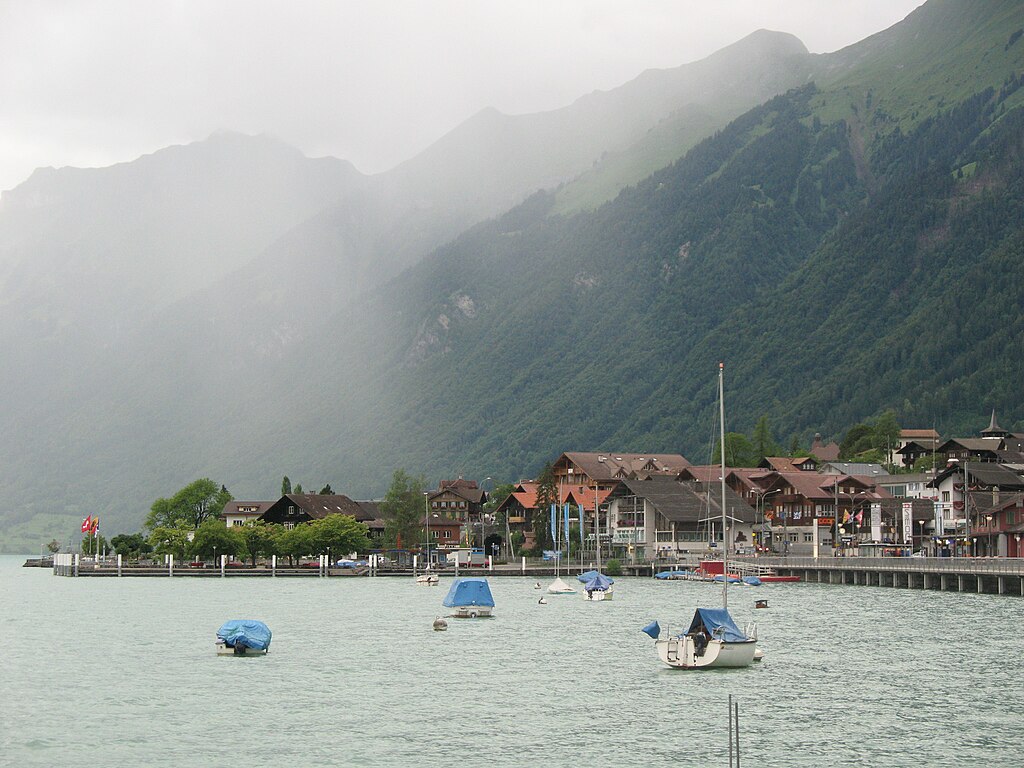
(243,637)
(713,639)
(470,598)
(598,587)
(586,576)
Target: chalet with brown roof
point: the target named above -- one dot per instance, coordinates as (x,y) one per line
(459,499)
(606,469)
(661,517)
(787,464)
(294,508)
(521,506)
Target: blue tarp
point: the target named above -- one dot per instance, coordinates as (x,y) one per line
(674,574)
(245,632)
(718,623)
(752,581)
(653,630)
(732,579)
(583,578)
(599,583)
(469,591)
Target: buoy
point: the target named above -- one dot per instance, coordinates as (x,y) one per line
(542,601)
(760,603)
(537,585)
(440,625)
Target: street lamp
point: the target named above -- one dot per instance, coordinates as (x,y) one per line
(988,524)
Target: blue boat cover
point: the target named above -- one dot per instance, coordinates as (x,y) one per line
(653,630)
(718,623)
(245,632)
(732,579)
(752,581)
(674,574)
(598,583)
(469,591)
(583,578)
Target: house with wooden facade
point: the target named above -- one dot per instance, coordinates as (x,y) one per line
(520,507)
(459,499)
(661,517)
(295,508)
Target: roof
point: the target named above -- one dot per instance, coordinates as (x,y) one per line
(919,434)
(614,466)
(983,473)
(318,506)
(525,494)
(436,521)
(856,468)
(464,489)
(825,451)
(234,508)
(686,502)
(584,494)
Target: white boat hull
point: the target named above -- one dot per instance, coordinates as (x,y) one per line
(681,652)
(598,594)
(559,587)
(472,611)
(428,581)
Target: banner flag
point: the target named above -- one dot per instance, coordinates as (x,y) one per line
(554,524)
(565,514)
(581,526)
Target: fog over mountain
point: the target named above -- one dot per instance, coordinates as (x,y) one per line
(234,309)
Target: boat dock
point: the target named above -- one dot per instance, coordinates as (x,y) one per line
(996,575)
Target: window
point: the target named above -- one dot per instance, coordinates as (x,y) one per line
(945,495)
(808,538)
(236,522)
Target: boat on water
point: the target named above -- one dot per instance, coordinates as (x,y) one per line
(243,637)
(769,578)
(713,640)
(559,587)
(428,579)
(470,598)
(677,575)
(596,586)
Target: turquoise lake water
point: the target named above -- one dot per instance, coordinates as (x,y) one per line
(122,672)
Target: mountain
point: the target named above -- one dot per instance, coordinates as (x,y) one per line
(834,245)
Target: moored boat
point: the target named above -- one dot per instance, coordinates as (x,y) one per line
(470,598)
(559,587)
(243,637)
(597,586)
(428,579)
(712,641)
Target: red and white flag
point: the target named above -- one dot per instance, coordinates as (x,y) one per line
(95,526)
(87,525)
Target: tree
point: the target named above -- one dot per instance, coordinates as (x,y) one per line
(93,545)
(259,539)
(294,542)
(327,490)
(547,494)
(213,538)
(764,443)
(403,509)
(286,486)
(128,544)
(739,451)
(298,488)
(169,541)
(190,507)
(339,534)
(53,546)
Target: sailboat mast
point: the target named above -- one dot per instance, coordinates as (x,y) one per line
(725,534)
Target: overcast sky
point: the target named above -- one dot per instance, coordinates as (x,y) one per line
(94,82)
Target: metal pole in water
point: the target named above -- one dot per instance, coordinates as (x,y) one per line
(730,731)
(736,721)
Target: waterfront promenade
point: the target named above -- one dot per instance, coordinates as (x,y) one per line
(1003,576)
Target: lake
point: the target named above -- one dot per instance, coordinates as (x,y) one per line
(123,672)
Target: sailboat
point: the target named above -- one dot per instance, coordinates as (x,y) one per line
(596,586)
(558,586)
(713,639)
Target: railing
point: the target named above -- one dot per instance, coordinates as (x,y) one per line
(995,566)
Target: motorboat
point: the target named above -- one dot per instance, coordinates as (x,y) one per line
(470,598)
(428,579)
(597,586)
(243,637)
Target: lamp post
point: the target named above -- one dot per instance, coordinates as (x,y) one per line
(426,530)
(988,542)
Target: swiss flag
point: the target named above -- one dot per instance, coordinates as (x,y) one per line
(87,525)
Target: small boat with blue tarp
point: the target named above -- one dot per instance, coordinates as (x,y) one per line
(243,637)
(597,586)
(470,598)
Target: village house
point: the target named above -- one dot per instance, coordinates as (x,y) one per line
(238,513)
(661,517)
(295,508)
(461,500)
(912,445)
(520,507)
